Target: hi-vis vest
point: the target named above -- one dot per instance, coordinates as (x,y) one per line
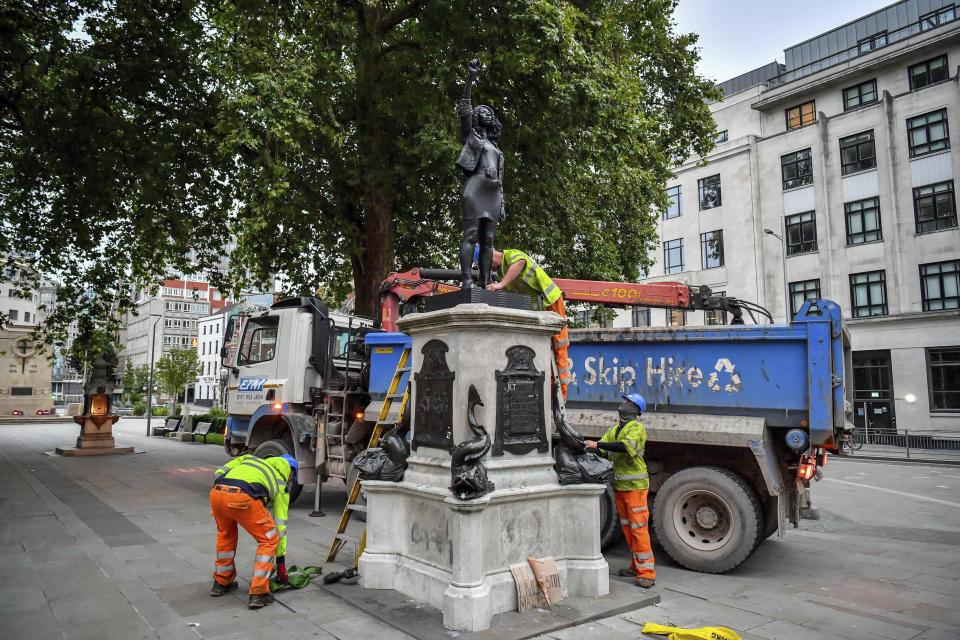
(629,469)
(532,281)
(270,473)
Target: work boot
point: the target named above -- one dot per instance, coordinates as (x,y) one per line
(627,572)
(645,583)
(260,600)
(218,589)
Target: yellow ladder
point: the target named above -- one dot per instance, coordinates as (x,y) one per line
(384,419)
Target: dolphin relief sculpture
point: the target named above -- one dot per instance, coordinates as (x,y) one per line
(469,476)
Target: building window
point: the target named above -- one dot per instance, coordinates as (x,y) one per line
(938,17)
(861,95)
(14,315)
(943,369)
(673,207)
(868,294)
(928,72)
(934,207)
(872,43)
(801,115)
(640,317)
(26,316)
(715,316)
(863,221)
(721,136)
(928,133)
(801,233)
(797,169)
(676,318)
(711,249)
(857,153)
(709,192)
(21,391)
(800,292)
(940,285)
(673,256)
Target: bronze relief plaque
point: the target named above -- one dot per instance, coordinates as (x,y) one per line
(433,419)
(520,421)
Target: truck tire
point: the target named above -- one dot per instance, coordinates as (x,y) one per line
(610,530)
(707,519)
(283,447)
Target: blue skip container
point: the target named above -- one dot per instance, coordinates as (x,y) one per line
(385,351)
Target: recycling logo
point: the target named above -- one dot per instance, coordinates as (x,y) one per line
(724,365)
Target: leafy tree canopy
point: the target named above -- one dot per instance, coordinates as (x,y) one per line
(177,369)
(135,381)
(322,136)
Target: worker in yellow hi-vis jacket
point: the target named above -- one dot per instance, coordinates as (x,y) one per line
(623,444)
(241,492)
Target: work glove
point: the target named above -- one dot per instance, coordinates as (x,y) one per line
(282,568)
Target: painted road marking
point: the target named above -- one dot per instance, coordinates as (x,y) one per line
(894,491)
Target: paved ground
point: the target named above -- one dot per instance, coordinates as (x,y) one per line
(121,547)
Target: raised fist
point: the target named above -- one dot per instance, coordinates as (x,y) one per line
(474,66)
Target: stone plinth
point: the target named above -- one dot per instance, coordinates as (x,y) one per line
(455,554)
(95,439)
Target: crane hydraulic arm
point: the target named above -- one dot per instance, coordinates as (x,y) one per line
(399,288)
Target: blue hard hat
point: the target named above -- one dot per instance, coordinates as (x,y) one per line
(293,465)
(476,252)
(637,399)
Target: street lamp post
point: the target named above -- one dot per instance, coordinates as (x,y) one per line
(153,340)
(782,237)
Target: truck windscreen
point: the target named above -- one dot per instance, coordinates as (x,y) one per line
(259,340)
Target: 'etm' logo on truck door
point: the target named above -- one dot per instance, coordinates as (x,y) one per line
(251,384)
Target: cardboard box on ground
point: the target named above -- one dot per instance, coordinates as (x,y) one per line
(529,576)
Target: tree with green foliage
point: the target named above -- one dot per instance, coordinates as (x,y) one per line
(322,136)
(135,381)
(344,115)
(108,174)
(175,370)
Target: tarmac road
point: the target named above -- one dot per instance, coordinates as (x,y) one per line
(121,547)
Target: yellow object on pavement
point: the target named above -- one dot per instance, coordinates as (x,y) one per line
(703,633)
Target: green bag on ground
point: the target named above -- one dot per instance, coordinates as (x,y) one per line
(297,578)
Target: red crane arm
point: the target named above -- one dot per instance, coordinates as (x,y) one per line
(671,295)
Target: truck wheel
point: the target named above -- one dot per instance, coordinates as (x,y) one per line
(707,519)
(272,448)
(351,476)
(609,520)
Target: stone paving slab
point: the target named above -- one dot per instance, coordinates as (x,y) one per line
(425,622)
(877,565)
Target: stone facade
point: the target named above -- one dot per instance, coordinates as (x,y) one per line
(905,331)
(24,374)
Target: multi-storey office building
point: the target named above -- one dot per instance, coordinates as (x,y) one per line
(176,310)
(844,154)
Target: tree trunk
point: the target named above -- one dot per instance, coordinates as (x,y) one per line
(375,260)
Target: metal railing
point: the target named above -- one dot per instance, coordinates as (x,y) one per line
(918,443)
(876,41)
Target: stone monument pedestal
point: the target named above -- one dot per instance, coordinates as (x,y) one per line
(455,554)
(95,439)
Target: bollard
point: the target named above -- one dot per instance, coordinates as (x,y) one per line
(907,433)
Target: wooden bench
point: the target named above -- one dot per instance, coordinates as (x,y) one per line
(202,431)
